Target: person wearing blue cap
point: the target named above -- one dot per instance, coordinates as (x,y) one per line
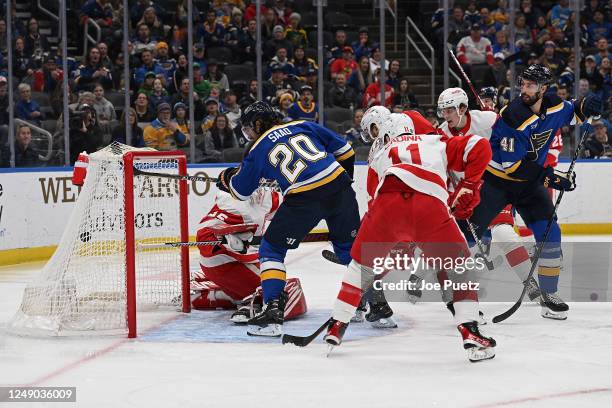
(163,133)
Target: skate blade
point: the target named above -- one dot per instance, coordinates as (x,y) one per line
(549,314)
(242,320)
(383,323)
(358,318)
(271,330)
(330,348)
(412,298)
(478,354)
(481,319)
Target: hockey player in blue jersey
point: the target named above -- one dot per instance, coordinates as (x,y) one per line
(313,167)
(516,174)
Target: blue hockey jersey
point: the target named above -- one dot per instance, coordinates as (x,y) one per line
(300,156)
(520,139)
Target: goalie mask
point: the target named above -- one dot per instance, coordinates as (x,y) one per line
(376,115)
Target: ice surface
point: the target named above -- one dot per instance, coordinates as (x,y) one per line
(198,361)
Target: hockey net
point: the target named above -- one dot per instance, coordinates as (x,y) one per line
(101,273)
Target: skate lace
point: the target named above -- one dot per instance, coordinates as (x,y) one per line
(554,298)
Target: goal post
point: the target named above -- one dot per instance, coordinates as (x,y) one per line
(100,279)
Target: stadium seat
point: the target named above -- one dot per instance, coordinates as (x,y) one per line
(335,126)
(338,115)
(309,20)
(233,155)
(42,98)
(223,55)
(239,73)
(328,38)
(116,98)
(49,125)
(311,53)
(352,36)
(336,20)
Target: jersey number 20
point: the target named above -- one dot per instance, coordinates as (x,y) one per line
(282,154)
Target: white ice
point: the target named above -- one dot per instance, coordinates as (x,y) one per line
(539,362)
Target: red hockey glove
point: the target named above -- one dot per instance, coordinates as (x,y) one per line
(465,198)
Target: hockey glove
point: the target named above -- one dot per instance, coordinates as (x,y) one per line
(238,242)
(588,106)
(223,182)
(559,180)
(465,198)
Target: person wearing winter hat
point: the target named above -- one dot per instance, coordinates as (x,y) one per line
(163,133)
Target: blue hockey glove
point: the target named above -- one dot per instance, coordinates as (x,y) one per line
(559,180)
(592,106)
(223,182)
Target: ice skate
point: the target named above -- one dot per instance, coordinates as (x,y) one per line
(334,334)
(478,347)
(359,316)
(553,307)
(269,322)
(248,308)
(414,294)
(380,316)
(533,290)
(481,318)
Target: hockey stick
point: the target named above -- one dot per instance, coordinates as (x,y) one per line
(303,341)
(331,257)
(138,172)
(540,246)
(255,241)
(465,77)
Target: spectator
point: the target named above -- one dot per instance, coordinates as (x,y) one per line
(49,77)
(158,95)
(341,95)
(294,33)
(149,65)
(564,47)
(119,132)
(284,103)
(563,92)
(215,77)
(183,96)
(105,111)
(363,46)
(587,12)
(212,110)
(200,85)
(144,40)
(269,23)
(26,108)
(232,109)
(495,74)
(281,59)
(35,44)
(305,108)
(605,70)
(277,83)
(472,15)
(376,60)
(371,96)
(141,106)
(73,64)
(278,41)
(598,145)
(475,49)
(602,50)
(346,65)
(105,59)
(233,35)
(147,85)
(100,11)
(458,27)
(355,134)
(181,117)
(312,78)
(211,33)
(560,14)
(584,88)
(522,36)
(488,24)
(591,73)
(217,138)
(393,76)
(540,32)
(340,41)
(138,9)
(551,60)
(85,134)
(432,117)
(23,65)
(404,96)
(301,64)
(501,44)
(3,40)
(251,95)
(93,71)
(362,77)
(282,11)
(24,154)
(167,64)
(198,56)
(156,28)
(180,72)
(500,14)
(532,13)
(248,42)
(163,133)
(4,101)
(568,77)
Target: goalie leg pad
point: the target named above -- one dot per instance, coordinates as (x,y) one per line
(236,279)
(296,301)
(212,299)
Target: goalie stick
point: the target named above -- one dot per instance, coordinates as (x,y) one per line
(137,172)
(536,258)
(255,241)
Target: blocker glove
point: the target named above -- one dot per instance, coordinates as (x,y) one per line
(224,178)
(465,198)
(559,180)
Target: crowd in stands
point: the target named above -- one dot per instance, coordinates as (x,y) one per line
(224,55)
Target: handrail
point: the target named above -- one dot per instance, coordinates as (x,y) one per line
(47,12)
(42,131)
(88,38)
(393,11)
(431,63)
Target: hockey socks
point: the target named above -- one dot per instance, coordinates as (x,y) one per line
(549,264)
(350,292)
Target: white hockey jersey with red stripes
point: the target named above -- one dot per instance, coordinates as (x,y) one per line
(478,123)
(423,161)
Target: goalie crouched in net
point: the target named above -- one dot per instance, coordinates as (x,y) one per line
(230,273)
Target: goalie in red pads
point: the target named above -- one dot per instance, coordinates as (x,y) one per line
(410,172)
(229,275)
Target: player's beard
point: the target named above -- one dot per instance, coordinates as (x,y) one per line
(530,100)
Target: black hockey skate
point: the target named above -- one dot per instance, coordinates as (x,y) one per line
(481,319)
(269,322)
(478,347)
(533,290)
(414,294)
(553,307)
(359,316)
(249,307)
(380,312)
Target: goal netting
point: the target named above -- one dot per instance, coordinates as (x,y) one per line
(101,273)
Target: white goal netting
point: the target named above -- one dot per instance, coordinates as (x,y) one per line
(84,286)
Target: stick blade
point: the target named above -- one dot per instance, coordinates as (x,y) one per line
(295,340)
(501,317)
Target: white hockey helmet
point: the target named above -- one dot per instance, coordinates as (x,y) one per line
(452,98)
(376,115)
(396,124)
